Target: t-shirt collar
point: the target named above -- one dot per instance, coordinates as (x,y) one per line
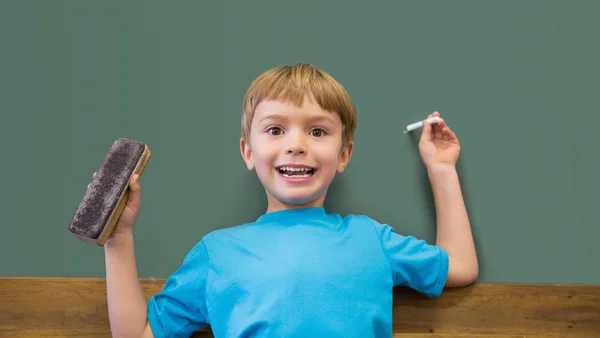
(296,215)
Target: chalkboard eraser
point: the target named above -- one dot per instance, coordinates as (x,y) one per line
(417,125)
(108,193)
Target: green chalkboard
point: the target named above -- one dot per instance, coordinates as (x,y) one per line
(518,81)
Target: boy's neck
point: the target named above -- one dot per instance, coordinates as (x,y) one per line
(276,205)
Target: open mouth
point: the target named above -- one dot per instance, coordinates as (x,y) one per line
(296,172)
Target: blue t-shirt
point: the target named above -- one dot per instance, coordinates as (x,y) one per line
(296,273)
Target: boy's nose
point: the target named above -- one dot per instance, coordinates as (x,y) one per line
(296,145)
(296,148)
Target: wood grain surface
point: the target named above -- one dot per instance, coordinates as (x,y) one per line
(77,307)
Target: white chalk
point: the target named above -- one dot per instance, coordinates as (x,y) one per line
(419,124)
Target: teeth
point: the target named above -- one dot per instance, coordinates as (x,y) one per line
(297,176)
(296,172)
(294,169)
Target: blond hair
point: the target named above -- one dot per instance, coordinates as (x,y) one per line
(292,83)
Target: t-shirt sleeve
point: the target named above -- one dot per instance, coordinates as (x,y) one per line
(180,308)
(415,263)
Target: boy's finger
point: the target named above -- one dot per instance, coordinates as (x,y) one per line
(426,132)
(450,135)
(442,123)
(446,134)
(134,194)
(437,131)
(134,183)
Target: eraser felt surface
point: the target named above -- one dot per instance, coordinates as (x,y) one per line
(106,188)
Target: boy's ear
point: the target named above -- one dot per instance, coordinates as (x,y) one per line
(246,153)
(345,156)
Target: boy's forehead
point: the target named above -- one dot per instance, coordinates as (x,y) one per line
(269,105)
(275,109)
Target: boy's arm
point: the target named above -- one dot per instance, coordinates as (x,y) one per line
(181,306)
(178,310)
(127,306)
(453,226)
(440,149)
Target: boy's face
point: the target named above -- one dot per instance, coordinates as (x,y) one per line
(296,152)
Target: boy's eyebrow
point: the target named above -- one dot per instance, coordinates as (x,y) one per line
(269,117)
(327,118)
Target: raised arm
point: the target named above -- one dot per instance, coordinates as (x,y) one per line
(440,149)
(127,306)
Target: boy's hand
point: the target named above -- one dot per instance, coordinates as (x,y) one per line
(129,215)
(438,146)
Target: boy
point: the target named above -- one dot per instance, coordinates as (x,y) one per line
(297,271)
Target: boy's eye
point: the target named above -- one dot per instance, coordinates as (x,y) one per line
(274,131)
(317,132)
